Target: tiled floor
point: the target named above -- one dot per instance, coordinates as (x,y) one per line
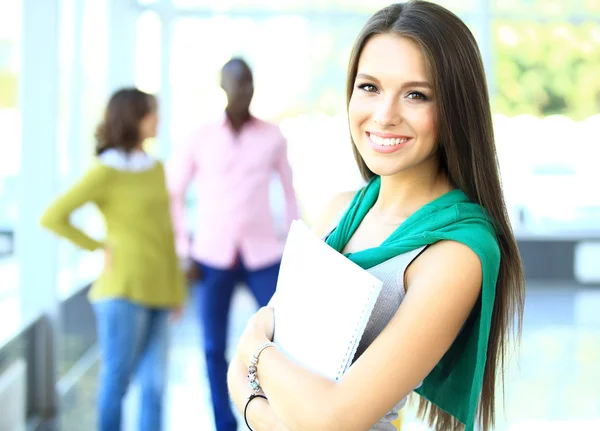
(555,385)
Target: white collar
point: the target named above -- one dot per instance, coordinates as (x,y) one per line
(135,161)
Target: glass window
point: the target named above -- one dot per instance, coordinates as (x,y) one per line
(299,75)
(95,69)
(357,6)
(547,68)
(301,72)
(76,267)
(148,56)
(67,91)
(299,82)
(547,95)
(553,8)
(10,136)
(286,6)
(66,66)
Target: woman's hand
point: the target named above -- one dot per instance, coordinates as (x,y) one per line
(191,269)
(176,314)
(260,415)
(259,330)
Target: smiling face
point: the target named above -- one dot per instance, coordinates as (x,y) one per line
(392,110)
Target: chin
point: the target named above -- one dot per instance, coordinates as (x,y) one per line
(385,171)
(384,166)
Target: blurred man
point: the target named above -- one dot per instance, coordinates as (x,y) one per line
(232,161)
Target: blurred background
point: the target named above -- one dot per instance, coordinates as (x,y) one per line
(60,60)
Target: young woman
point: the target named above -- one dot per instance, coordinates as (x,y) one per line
(141,282)
(430,223)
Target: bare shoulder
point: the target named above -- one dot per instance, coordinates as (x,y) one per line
(446,264)
(332,211)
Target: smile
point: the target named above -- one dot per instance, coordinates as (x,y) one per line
(387,143)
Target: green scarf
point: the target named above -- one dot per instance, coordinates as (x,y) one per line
(454,385)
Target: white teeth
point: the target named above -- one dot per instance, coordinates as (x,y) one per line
(388,141)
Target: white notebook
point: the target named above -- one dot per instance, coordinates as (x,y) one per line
(322,303)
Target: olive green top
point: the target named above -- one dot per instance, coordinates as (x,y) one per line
(143,266)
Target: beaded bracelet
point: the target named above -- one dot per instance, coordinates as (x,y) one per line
(250,398)
(252,379)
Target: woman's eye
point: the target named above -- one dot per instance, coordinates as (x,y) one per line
(415,95)
(368,88)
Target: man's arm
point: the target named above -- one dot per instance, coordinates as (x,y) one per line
(283,168)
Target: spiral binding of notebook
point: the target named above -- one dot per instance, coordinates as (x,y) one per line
(358,333)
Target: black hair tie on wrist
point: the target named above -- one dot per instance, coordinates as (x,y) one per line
(250,398)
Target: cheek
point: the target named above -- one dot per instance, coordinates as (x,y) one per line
(428,132)
(151,122)
(358,113)
(424,122)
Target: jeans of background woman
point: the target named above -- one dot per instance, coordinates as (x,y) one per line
(133,341)
(214,299)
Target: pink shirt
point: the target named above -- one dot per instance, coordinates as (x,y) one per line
(232,175)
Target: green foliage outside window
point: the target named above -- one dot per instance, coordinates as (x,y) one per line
(546,69)
(8,89)
(8,78)
(538,68)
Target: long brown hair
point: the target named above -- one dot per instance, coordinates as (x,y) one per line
(468,155)
(120,127)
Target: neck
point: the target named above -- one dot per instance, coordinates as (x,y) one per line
(402,194)
(138,147)
(237,119)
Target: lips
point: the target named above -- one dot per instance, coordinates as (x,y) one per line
(387,142)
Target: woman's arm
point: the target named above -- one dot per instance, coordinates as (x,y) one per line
(89,189)
(444,284)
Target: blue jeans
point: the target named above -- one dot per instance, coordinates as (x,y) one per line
(213,301)
(133,339)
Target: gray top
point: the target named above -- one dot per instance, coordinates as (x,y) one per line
(391,273)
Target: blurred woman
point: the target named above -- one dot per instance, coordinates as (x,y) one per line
(141,282)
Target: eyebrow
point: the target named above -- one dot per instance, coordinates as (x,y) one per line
(422,84)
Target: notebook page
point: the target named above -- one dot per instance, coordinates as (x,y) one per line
(322,303)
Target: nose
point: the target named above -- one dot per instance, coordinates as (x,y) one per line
(387,112)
